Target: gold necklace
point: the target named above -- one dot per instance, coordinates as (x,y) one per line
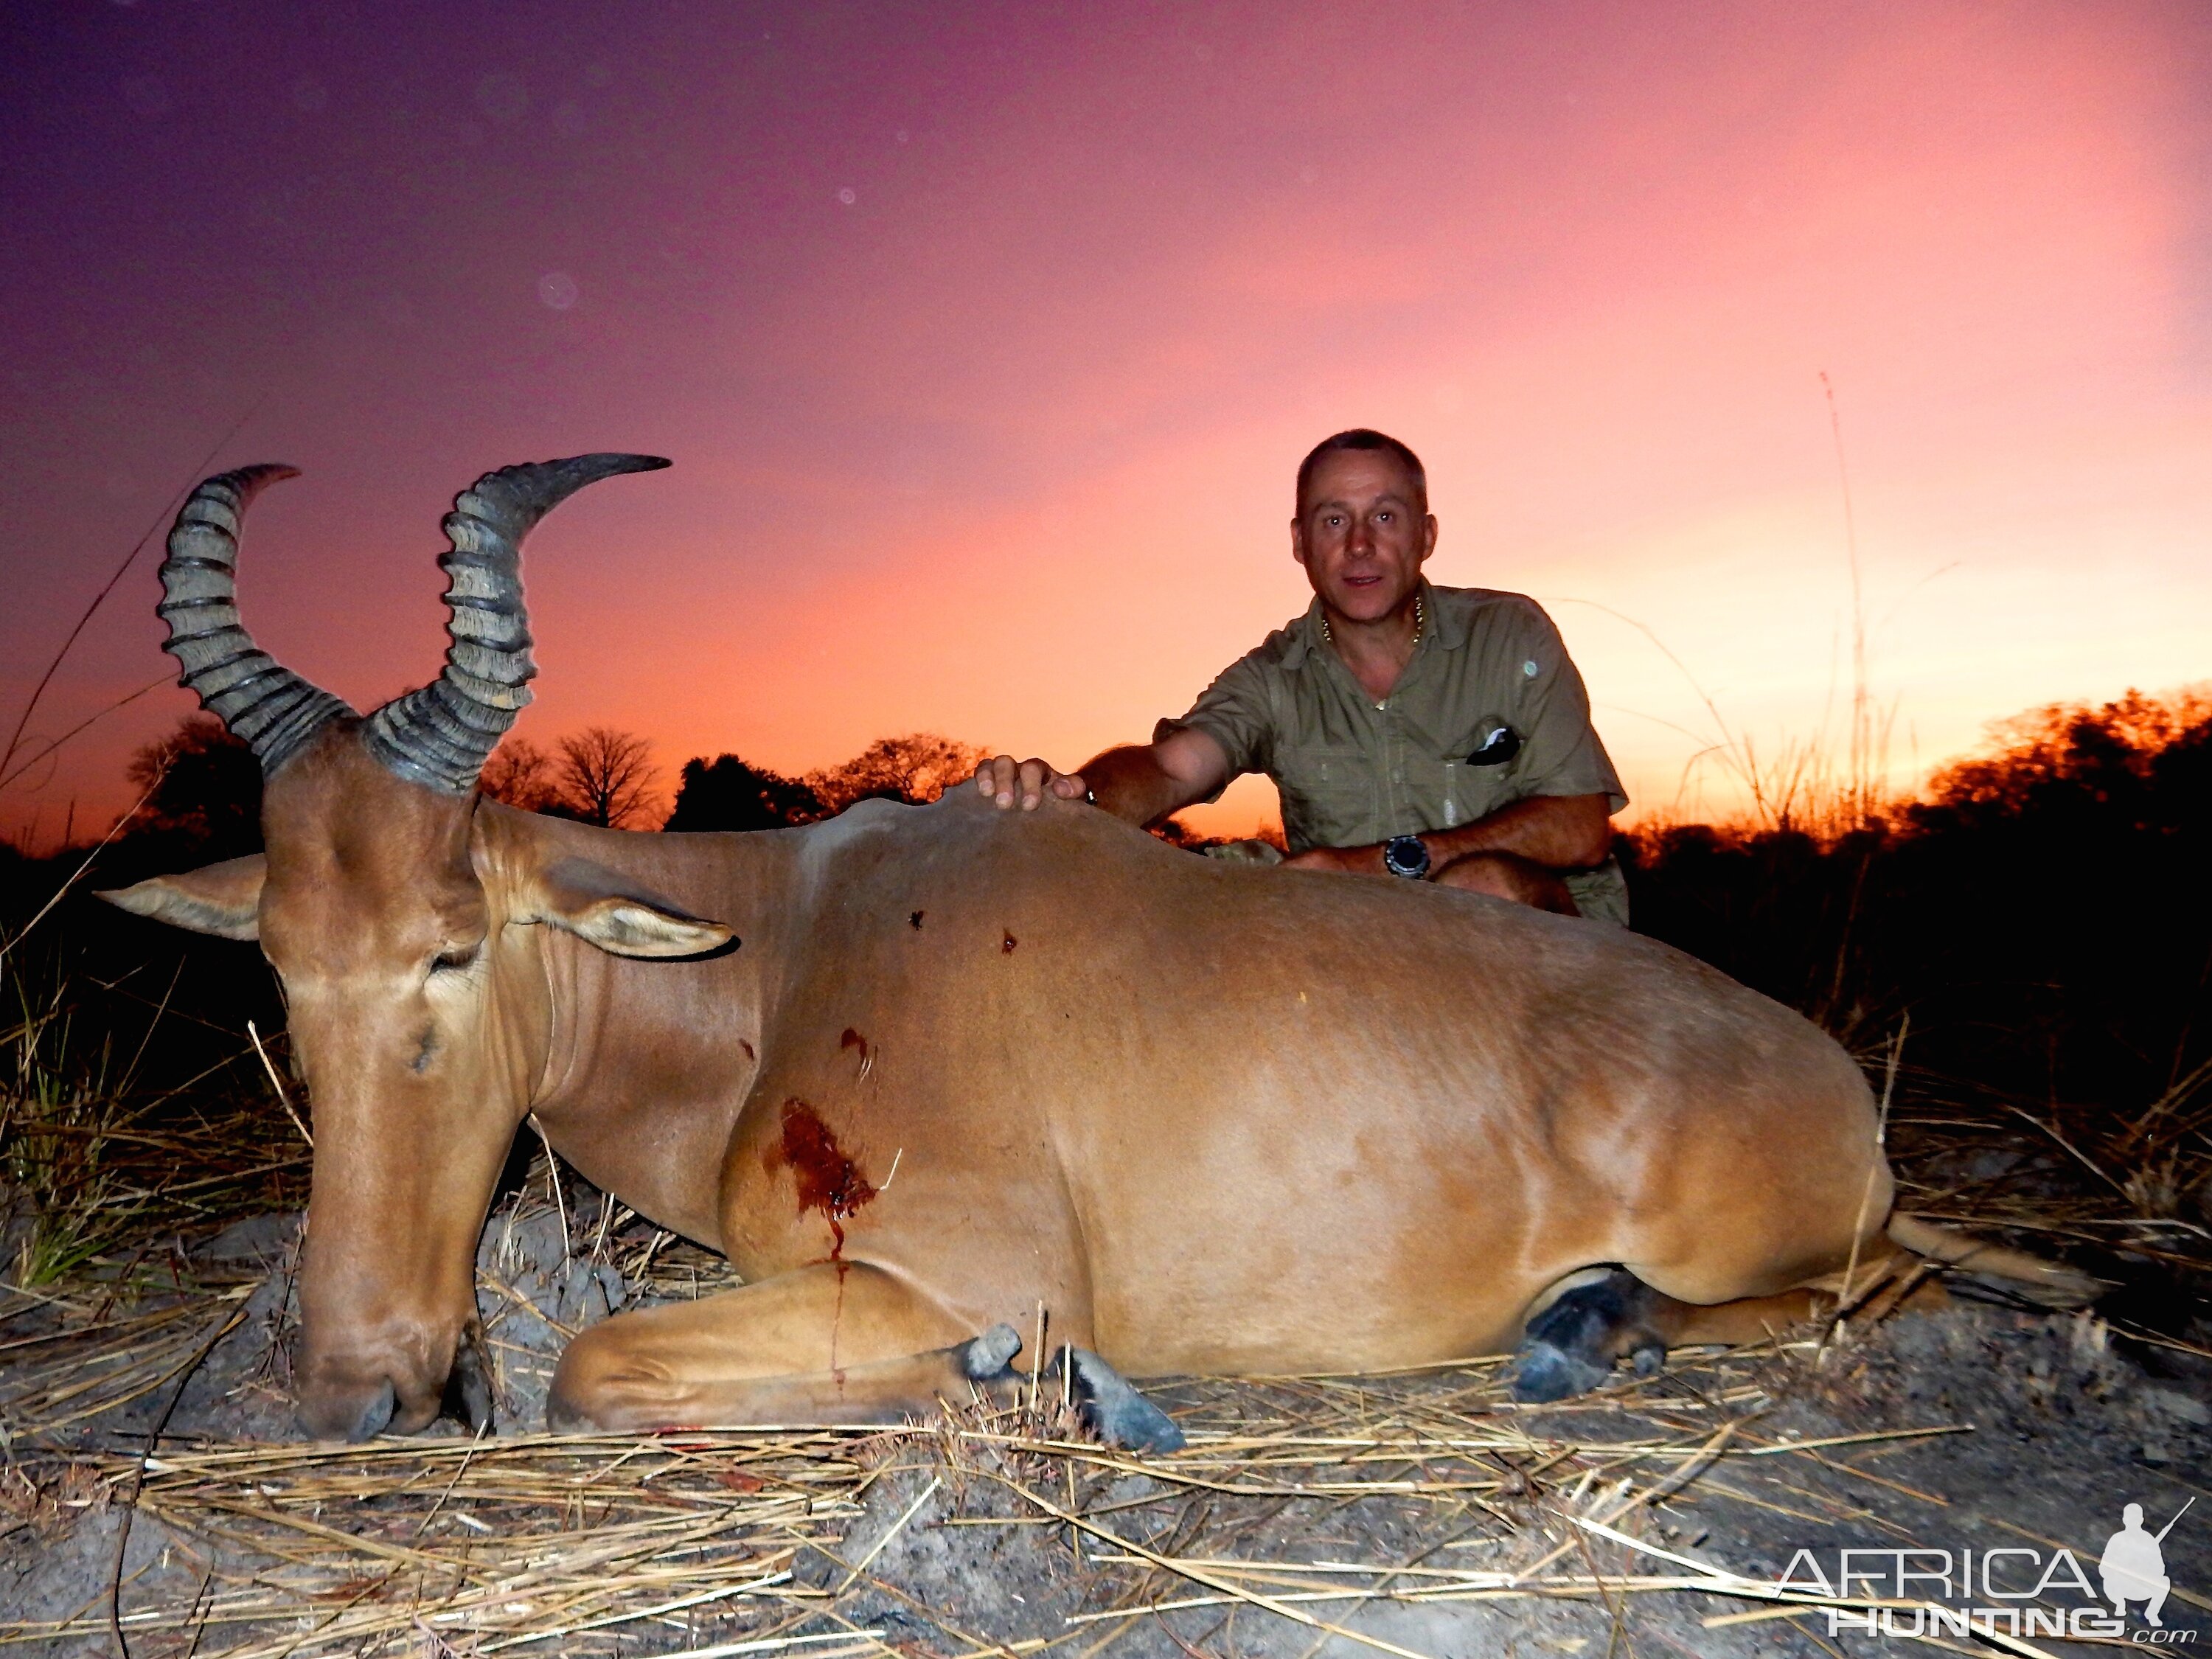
(1420,621)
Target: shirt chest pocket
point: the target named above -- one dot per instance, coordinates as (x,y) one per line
(1330,794)
(1478,775)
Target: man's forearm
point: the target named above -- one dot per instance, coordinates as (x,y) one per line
(1130,784)
(1559,832)
(1139,783)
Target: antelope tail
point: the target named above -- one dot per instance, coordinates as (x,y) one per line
(2044,1282)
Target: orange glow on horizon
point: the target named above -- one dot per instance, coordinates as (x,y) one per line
(1002,448)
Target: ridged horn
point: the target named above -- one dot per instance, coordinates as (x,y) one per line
(441,735)
(271,709)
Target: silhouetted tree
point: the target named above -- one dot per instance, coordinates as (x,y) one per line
(607,777)
(2043,911)
(522,775)
(203,789)
(2065,761)
(916,767)
(728,792)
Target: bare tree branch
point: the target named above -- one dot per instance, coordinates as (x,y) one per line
(522,775)
(607,777)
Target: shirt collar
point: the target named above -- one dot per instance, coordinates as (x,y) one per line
(1440,623)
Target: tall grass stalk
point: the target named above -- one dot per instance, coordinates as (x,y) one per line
(1800,787)
(57,1117)
(1804,787)
(14,762)
(93,1163)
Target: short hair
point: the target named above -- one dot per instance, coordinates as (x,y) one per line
(1360,437)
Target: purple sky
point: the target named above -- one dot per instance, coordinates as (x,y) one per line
(984,340)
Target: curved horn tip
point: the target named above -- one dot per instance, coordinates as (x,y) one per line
(533,489)
(240,484)
(615,460)
(249,480)
(573,471)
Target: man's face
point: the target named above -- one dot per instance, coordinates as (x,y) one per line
(1362,533)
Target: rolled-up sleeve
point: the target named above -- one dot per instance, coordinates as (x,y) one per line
(1236,713)
(1561,753)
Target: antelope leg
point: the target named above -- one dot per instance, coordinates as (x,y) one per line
(830,1343)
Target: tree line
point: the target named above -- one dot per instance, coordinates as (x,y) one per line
(2042,911)
(201,788)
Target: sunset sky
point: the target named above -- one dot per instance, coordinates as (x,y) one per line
(986,339)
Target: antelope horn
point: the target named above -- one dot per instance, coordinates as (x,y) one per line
(263,704)
(441,735)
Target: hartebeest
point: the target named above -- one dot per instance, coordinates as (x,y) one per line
(1217,1118)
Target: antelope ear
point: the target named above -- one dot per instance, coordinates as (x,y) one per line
(224,899)
(605,908)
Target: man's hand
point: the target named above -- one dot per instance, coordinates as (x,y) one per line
(1006,781)
(1341,860)
(1138,783)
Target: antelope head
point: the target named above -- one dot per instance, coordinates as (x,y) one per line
(398,913)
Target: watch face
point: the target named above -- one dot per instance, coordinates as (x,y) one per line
(1406,855)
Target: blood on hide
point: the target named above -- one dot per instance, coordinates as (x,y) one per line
(827,1180)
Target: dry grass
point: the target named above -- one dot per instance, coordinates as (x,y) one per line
(93,1164)
(503,1543)
(2135,1187)
(481,1546)
(1307,1498)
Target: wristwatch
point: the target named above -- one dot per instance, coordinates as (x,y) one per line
(1406,856)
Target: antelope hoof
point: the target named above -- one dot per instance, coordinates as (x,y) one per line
(1116,1412)
(984,1358)
(1543,1372)
(1570,1348)
(468,1388)
(376,1415)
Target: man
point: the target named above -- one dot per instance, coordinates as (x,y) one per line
(1413,731)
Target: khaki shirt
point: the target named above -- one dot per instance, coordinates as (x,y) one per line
(1353,772)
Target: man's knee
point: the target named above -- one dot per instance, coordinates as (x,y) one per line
(1508,876)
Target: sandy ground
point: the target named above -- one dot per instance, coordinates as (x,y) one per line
(2050,1425)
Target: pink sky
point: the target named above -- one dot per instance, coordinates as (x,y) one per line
(1002,446)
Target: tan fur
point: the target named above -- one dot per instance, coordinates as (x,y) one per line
(1217,1118)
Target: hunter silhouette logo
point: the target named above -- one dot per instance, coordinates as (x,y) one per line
(2133,1567)
(2001,1591)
